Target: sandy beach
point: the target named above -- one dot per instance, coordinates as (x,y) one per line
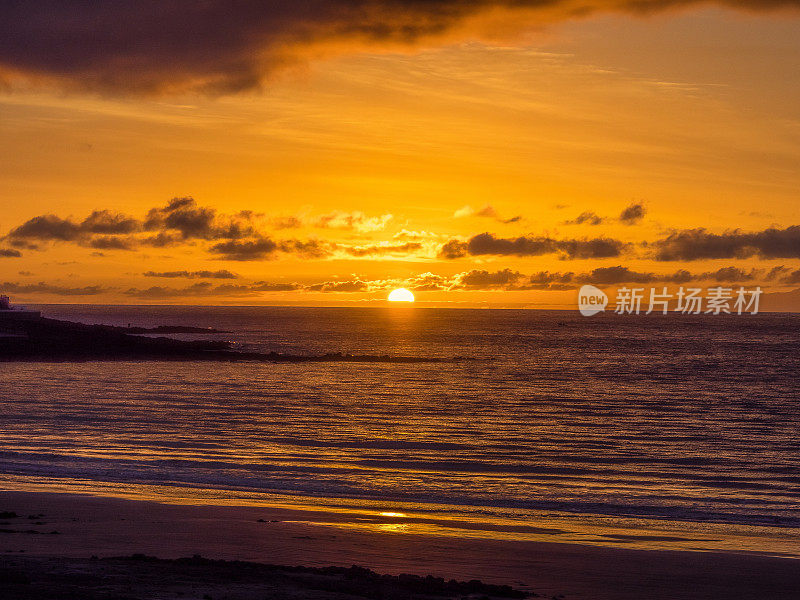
(103,527)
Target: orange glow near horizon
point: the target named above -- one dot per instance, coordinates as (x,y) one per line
(356,170)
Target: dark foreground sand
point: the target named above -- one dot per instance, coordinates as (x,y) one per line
(37,563)
(140,576)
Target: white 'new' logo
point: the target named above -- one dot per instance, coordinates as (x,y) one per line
(591,300)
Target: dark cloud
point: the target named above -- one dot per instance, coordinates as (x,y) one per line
(488,244)
(266,286)
(588,218)
(46,227)
(623,275)
(205,288)
(613,275)
(162,240)
(487,211)
(307,248)
(258,249)
(217,47)
(633,214)
(792,278)
(104,221)
(183,215)
(264,248)
(191,221)
(729,274)
(54,228)
(591,248)
(290,222)
(23,244)
(479,279)
(112,242)
(9,253)
(513,280)
(355,285)
(221,274)
(620,274)
(453,249)
(548,280)
(699,244)
(180,221)
(46,288)
(679,276)
(382,249)
(198,289)
(776,272)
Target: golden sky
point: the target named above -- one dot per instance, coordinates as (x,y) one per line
(472,153)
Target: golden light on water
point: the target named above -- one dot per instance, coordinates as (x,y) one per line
(401,295)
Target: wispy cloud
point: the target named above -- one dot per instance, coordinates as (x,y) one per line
(488,211)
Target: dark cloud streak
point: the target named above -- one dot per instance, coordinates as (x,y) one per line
(222,47)
(633,214)
(487,244)
(221,274)
(700,244)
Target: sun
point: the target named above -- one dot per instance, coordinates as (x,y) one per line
(401,295)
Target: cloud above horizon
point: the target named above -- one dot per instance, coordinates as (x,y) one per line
(241,236)
(631,215)
(215,47)
(489,244)
(473,280)
(221,274)
(487,211)
(246,236)
(701,244)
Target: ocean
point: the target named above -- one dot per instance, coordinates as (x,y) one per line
(678,432)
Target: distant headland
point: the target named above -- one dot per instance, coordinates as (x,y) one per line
(25,335)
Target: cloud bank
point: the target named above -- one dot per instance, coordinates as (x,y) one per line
(488,244)
(699,244)
(223,47)
(506,280)
(241,236)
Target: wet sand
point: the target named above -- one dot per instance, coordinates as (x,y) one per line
(89,526)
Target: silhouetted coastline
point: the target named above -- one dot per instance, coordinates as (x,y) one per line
(52,340)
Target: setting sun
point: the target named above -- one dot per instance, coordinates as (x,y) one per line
(401,295)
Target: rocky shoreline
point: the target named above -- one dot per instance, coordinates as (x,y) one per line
(51,340)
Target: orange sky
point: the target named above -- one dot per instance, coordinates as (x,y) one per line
(362,162)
